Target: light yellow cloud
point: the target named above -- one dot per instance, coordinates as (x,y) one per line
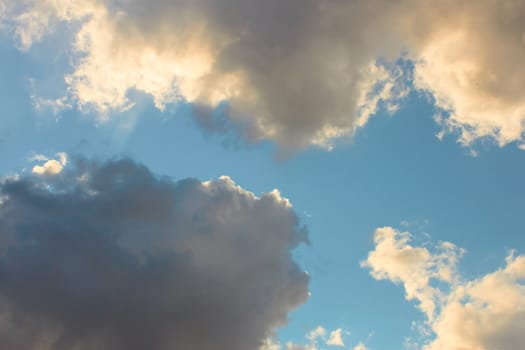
(360,346)
(486,313)
(395,259)
(336,338)
(50,166)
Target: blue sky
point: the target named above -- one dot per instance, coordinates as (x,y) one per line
(392,172)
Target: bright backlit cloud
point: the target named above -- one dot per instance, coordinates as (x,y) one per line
(110,256)
(470,64)
(336,338)
(481,314)
(50,166)
(285,70)
(300,72)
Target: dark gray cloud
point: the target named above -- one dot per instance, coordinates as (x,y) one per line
(110,256)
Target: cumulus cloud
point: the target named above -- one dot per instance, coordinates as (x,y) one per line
(360,346)
(395,259)
(284,70)
(336,338)
(485,313)
(317,339)
(110,256)
(300,72)
(50,166)
(470,64)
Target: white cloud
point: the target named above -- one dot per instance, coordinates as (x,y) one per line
(317,338)
(50,166)
(486,313)
(336,338)
(395,259)
(316,333)
(360,346)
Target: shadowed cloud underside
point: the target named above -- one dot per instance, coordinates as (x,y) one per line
(109,256)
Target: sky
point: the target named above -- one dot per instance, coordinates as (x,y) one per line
(246,175)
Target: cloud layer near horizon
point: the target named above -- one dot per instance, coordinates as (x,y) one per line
(299,72)
(485,313)
(109,256)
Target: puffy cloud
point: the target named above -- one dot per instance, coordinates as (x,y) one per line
(110,256)
(486,313)
(471,64)
(317,338)
(481,314)
(50,166)
(360,346)
(285,70)
(300,72)
(395,259)
(313,337)
(336,338)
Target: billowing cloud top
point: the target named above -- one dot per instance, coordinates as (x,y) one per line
(109,256)
(300,72)
(485,313)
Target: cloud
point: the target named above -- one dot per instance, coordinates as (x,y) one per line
(313,337)
(395,259)
(481,314)
(360,346)
(300,72)
(317,338)
(336,338)
(50,166)
(470,64)
(285,71)
(110,256)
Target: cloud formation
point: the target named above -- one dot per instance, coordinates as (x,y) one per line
(300,72)
(318,338)
(470,63)
(336,338)
(295,72)
(481,314)
(360,346)
(50,166)
(110,256)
